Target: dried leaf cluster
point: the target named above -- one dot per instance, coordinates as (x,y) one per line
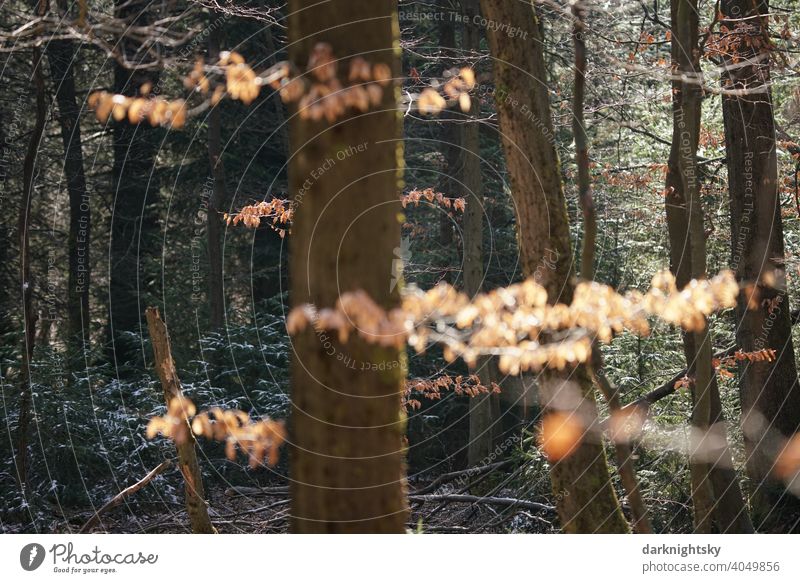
(277,211)
(259,439)
(280,212)
(516,322)
(155,110)
(723,365)
(321,92)
(429,194)
(456,87)
(746,37)
(354,312)
(431,389)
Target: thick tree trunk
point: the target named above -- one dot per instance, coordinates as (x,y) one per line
(217,199)
(187,455)
(582,486)
(134,180)
(347,425)
(769,390)
(61,55)
(715,490)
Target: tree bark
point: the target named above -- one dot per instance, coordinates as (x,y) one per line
(26,283)
(61,55)
(347,425)
(451,131)
(196,506)
(770,393)
(218,194)
(715,489)
(582,486)
(484,427)
(581,138)
(132,220)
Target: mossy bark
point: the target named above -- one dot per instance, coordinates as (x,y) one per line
(582,486)
(716,494)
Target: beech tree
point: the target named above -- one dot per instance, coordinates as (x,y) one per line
(770,393)
(581,482)
(347,470)
(715,490)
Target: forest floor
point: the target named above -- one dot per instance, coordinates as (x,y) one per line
(435,508)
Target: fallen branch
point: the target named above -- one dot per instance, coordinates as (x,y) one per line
(117,500)
(467,499)
(251,491)
(467,473)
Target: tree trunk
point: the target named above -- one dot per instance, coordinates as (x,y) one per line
(582,486)
(581,138)
(769,390)
(347,426)
(26,283)
(451,130)
(217,199)
(8,283)
(187,455)
(132,220)
(484,427)
(622,449)
(61,55)
(715,489)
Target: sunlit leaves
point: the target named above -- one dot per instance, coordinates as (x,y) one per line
(516,323)
(457,87)
(259,439)
(434,197)
(156,111)
(278,212)
(432,389)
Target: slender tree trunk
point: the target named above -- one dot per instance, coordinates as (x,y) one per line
(346,459)
(26,283)
(217,199)
(715,490)
(585,195)
(581,482)
(622,449)
(61,55)
(267,283)
(769,390)
(483,425)
(196,506)
(7,285)
(134,180)
(451,131)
